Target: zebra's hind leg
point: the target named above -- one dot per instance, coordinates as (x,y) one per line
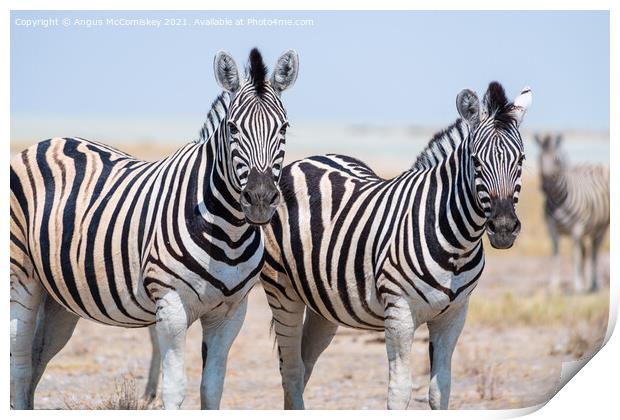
(444,332)
(287,322)
(150,391)
(26,295)
(55,326)
(399,330)
(317,334)
(216,342)
(579,251)
(288,332)
(171,331)
(597,240)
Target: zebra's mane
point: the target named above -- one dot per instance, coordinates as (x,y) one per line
(257,71)
(441,145)
(497,105)
(219,107)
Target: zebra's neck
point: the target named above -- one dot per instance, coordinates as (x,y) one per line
(555,188)
(214,136)
(216,191)
(458,218)
(466,195)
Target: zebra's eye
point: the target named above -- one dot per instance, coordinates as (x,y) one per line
(476,161)
(233,130)
(283,130)
(521,159)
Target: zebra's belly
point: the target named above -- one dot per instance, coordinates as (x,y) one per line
(355,302)
(112,301)
(109,302)
(347,308)
(351,303)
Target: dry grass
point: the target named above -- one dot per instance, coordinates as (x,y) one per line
(584,339)
(538,309)
(578,345)
(487,381)
(481,367)
(124,397)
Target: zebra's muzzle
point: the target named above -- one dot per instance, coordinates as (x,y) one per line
(259,198)
(503,226)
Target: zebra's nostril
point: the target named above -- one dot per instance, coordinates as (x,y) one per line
(491,226)
(517,228)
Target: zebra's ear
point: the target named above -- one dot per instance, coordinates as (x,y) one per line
(538,140)
(468,106)
(285,71)
(521,104)
(226,72)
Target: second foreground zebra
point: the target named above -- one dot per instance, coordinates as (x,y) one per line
(349,248)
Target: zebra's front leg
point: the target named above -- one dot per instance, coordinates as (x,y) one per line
(155,368)
(444,332)
(216,342)
(317,334)
(399,330)
(171,330)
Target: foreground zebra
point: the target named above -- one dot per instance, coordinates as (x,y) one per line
(576,204)
(100,235)
(364,252)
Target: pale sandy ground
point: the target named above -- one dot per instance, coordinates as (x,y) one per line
(496,364)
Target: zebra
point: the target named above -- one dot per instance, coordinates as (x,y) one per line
(350,248)
(98,234)
(576,204)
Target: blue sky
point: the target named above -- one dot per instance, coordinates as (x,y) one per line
(355,67)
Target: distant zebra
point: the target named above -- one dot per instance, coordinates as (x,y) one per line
(576,204)
(352,249)
(98,234)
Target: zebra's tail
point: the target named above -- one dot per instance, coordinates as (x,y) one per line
(21,263)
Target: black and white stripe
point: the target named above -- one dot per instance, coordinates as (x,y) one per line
(360,251)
